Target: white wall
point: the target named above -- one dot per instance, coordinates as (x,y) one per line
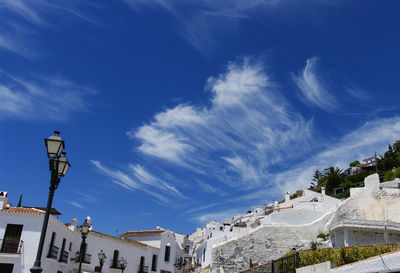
(32,224)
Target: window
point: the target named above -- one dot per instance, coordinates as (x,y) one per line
(221,228)
(6,268)
(11,241)
(53,238)
(167,253)
(115,259)
(70,246)
(62,252)
(204,254)
(154,263)
(141,265)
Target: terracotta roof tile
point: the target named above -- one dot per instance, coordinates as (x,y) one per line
(142,232)
(22,210)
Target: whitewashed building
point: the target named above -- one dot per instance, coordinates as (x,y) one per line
(307,207)
(20,232)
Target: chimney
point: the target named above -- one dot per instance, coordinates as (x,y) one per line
(3,199)
(287,196)
(89,219)
(323,190)
(73,224)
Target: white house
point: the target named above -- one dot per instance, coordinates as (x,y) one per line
(20,230)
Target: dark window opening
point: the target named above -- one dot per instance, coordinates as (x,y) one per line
(154,263)
(115,259)
(6,268)
(11,241)
(141,265)
(52,251)
(167,253)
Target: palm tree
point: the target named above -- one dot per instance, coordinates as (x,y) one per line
(334,178)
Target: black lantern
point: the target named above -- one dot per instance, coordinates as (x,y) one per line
(54,145)
(61,164)
(102,258)
(85,229)
(123,264)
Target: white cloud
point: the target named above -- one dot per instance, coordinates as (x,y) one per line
(361,143)
(217,216)
(76,204)
(43,98)
(199,21)
(313,88)
(247,125)
(17,34)
(141,180)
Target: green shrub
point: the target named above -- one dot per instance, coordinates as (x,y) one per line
(343,255)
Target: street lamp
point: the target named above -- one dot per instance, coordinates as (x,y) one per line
(102,258)
(58,165)
(123,264)
(84,233)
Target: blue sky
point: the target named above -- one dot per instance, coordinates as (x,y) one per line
(178,112)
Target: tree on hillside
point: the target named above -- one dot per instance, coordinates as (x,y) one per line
(390,159)
(396,146)
(316,181)
(355,163)
(334,178)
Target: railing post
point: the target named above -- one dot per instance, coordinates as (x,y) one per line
(297,259)
(272,266)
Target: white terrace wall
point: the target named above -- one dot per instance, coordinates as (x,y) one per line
(265,243)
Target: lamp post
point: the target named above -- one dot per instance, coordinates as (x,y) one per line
(123,264)
(84,233)
(58,165)
(102,258)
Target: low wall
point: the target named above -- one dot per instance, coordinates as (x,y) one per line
(317,268)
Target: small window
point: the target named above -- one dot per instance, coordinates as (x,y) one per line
(141,265)
(115,259)
(70,246)
(221,228)
(204,254)
(167,253)
(154,263)
(51,254)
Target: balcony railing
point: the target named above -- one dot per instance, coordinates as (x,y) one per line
(143,269)
(64,257)
(86,258)
(12,247)
(53,252)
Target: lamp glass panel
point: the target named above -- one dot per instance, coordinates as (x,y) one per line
(66,168)
(61,167)
(85,229)
(54,147)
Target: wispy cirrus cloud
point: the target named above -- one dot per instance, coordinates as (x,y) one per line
(21,20)
(50,98)
(373,136)
(217,216)
(76,204)
(247,127)
(137,178)
(41,98)
(314,89)
(199,22)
